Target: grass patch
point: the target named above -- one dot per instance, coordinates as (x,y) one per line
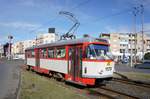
(34,86)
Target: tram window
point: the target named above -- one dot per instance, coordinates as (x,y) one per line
(90,54)
(60,53)
(27,54)
(50,53)
(43,53)
(32,53)
(95,51)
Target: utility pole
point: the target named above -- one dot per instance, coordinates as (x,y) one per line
(9,48)
(135,12)
(36,41)
(131,55)
(142,24)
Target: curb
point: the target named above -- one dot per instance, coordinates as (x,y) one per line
(19,85)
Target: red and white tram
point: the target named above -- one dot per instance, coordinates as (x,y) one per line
(82,61)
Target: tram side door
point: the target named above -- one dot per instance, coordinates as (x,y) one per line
(75,62)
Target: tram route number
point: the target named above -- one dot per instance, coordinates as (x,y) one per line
(108,68)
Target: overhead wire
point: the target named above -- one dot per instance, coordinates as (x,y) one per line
(80,4)
(108,16)
(53,20)
(112,15)
(96,20)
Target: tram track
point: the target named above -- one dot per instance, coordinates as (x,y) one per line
(111,94)
(132,82)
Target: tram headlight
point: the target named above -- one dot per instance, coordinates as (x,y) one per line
(101,72)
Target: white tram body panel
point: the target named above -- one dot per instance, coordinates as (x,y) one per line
(97,69)
(54,65)
(31,61)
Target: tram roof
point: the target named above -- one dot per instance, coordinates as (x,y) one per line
(69,42)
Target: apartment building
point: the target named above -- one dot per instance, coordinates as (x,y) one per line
(19,47)
(122,43)
(45,38)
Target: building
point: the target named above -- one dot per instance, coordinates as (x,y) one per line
(19,47)
(28,43)
(1,51)
(45,38)
(120,44)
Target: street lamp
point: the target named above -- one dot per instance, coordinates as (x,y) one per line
(9,48)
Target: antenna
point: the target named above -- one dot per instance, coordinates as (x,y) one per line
(70,33)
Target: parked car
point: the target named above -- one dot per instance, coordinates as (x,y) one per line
(124,61)
(144,65)
(18,56)
(15,57)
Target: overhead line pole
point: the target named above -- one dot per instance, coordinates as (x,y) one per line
(142,24)
(135,11)
(135,42)
(9,47)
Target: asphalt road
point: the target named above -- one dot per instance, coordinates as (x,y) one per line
(9,78)
(127,68)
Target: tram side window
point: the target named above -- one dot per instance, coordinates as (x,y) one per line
(89,53)
(43,53)
(60,53)
(32,54)
(50,53)
(27,53)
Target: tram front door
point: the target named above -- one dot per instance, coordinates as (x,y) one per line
(75,62)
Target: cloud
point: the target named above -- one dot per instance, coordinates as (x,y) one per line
(30,3)
(118,29)
(19,25)
(147,26)
(128,29)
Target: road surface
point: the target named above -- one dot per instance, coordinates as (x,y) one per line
(9,78)
(127,68)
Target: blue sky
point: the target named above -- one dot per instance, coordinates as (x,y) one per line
(24,19)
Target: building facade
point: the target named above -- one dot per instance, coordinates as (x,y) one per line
(45,38)
(122,43)
(19,47)
(1,51)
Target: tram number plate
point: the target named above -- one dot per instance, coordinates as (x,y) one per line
(108,68)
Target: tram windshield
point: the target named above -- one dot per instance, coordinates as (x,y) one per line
(97,51)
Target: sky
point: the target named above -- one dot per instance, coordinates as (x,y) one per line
(24,19)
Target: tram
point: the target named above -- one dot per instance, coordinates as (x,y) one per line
(82,61)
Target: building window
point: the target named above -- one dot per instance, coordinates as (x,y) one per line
(60,53)
(50,53)
(122,50)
